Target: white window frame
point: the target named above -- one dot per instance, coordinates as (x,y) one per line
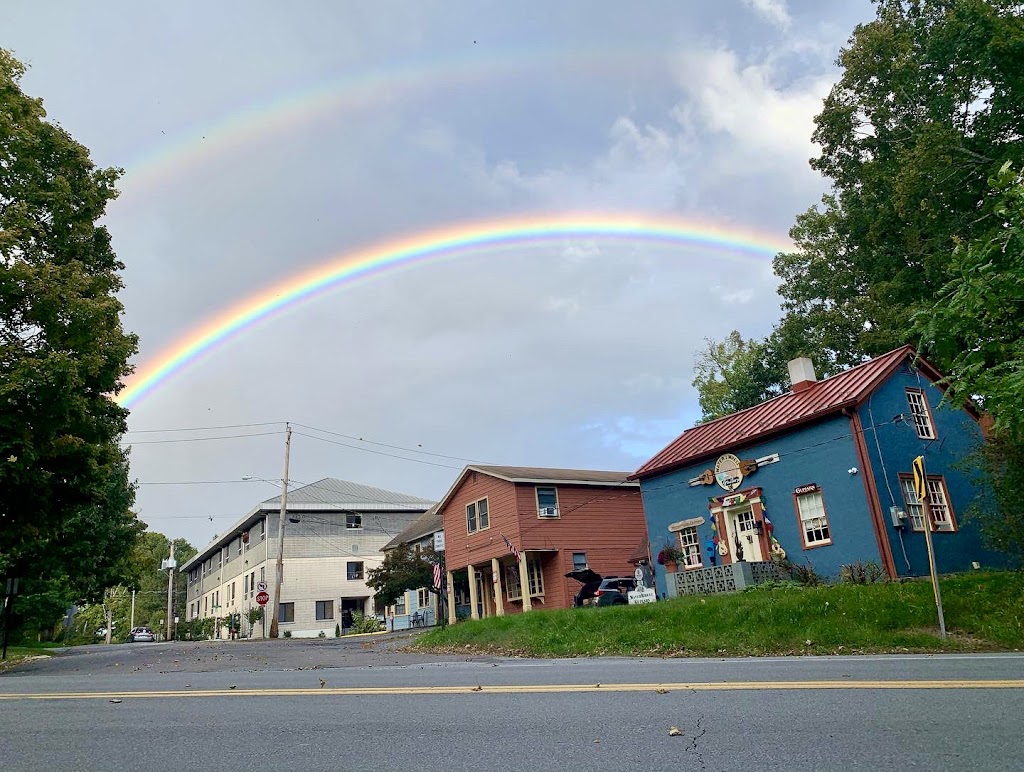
(422,598)
(943,517)
(481,511)
(547,512)
(689,546)
(361,570)
(921,414)
(353,521)
(814,521)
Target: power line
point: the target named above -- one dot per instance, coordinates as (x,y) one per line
(204,428)
(376,452)
(386,445)
(197,439)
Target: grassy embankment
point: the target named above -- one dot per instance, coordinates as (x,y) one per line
(17,654)
(983,612)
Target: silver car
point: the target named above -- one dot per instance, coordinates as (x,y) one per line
(141,634)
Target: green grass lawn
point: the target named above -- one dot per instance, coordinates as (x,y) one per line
(983,611)
(16,654)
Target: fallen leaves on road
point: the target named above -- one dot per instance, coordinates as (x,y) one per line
(661,691)
(477,688)
(232,686)
(674,731)
(323,683)
(116,702)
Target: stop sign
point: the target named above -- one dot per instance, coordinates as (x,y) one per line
(262,598)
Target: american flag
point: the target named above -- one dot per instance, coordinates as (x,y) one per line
(437,575)
(511,549)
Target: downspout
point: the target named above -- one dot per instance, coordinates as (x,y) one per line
(874,504)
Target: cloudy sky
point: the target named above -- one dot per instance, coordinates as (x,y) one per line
(260,140)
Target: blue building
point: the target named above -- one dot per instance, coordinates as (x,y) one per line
(821,475)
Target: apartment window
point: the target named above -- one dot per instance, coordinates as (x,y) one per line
(353,520)
(245,585)
(324,609)
(263,529)
(689,545)
(240,545)
(400,605)
(286,612)
(813,521)
(943,518)
(252,581)
(921,414)
(477,517)
(220,558)
(355,570)
(233,592)
(579,561)
(263,573)
(206,605)
(547,502)
(422,598)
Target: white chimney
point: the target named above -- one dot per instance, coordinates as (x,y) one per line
(801,373)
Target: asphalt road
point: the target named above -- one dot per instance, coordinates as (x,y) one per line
(363,704)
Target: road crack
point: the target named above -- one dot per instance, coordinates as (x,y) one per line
(692,746)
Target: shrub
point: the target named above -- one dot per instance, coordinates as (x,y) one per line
(287,633)
(361,623)
(321,634)
(337,631)
(804,575)
(862,573)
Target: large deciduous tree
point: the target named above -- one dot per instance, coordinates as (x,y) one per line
(930,105)
(65,496)
(402,569)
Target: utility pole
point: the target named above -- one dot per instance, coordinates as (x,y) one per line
(170,591)
(279,572)
(921,489)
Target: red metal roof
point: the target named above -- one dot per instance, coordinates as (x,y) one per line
(821,398)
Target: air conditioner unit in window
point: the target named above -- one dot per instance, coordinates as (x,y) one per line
(548,512)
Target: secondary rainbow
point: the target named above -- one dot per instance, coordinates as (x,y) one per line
(432,246)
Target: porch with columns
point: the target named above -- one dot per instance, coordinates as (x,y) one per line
(491,603)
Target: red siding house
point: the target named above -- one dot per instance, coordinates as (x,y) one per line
(557,520)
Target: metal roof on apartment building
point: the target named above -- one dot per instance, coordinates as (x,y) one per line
(801,406)
(424,525)
(329,494)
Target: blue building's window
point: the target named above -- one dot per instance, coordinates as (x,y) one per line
(943,518)
(813,519)
(921,414)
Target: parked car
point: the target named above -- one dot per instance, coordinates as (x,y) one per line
(601,591)
(140,634)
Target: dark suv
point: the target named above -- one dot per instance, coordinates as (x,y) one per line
(601,591)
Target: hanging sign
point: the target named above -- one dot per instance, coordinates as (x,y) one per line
(728,472)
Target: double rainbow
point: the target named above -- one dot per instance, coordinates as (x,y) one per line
(430,247)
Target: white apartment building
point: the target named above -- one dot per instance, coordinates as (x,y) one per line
(335,532)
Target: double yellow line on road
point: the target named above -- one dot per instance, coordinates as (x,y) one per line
(371,691)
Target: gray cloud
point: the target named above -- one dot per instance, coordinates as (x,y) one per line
(366,123)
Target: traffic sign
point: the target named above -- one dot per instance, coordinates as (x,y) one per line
(920,481)
(261,586)
(262,598)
